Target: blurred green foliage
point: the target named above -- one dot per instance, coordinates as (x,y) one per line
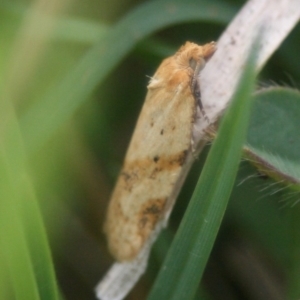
(73,79)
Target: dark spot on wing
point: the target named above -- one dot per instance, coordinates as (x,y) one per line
(156,158)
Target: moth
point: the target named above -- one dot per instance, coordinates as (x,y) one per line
(162,138)
(162,146)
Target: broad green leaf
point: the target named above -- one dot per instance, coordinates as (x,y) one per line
(273,136)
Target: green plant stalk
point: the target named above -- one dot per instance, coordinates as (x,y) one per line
(182,270)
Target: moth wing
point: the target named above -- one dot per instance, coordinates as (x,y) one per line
(153,165)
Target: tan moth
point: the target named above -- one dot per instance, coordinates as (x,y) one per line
(162,146)
(157,152)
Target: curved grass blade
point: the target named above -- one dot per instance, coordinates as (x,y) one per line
(182,270)
(61,101)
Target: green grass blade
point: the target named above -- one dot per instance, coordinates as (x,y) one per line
(23,240)
(66,28)
(61,101)
(15,258)
(181,272)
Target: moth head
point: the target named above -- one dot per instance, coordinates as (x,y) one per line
(195,56)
